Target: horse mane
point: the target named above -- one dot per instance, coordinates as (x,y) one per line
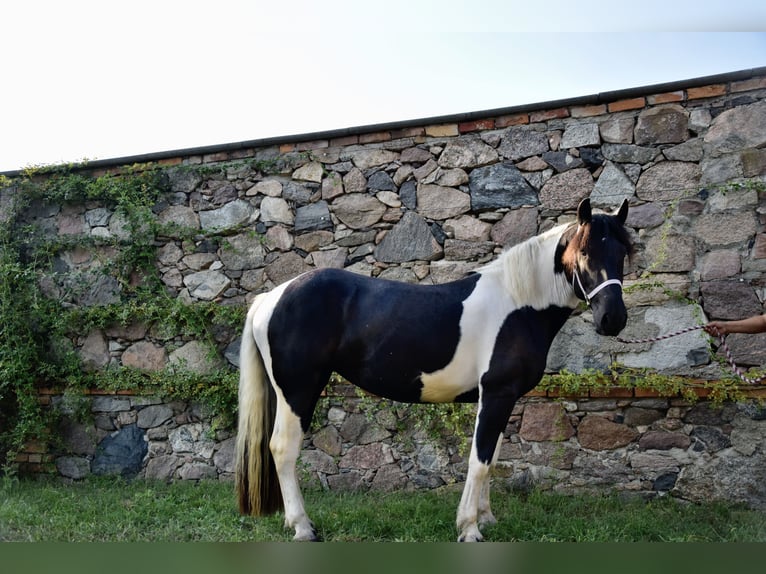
(526,271)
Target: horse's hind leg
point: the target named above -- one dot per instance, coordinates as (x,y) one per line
(285,445)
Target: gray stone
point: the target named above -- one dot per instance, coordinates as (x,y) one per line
(729,300)
(369,456)
(646,216)
(298,194)
(637,416)
(439,202)
(109,404)
(183,438)
(199,261)
(668,180)
(687,151)
(669,354)
(243,251)
(121,453)
(353,182)
(73,467)
(653,462)
(286,266)
(206,285)
(267,187)
(231,215)
(661,440)
(617,130)
(580,134)
(425,170)
(516,226)
(350,481)
(409,195)
(78,438)
(520,143)
(470,153)
(500,185)
(98,217)
(612,187)
(183,180)
(389,478)
(461,250)
(197,471)
(231,353)
(169,254)
(145,356)
(367,158)
(566,190)
(624,153)
(332,186)
(180,215)
(224,455)
(162,467)
(545,422)
(409,240)
(732,199)
(313,217)
(720,265)
(713,438)
(358,210)
(670,253)
(725,229)
(276,210)
(468,228)
(329,440)
(335,258)
(737,129)
(278,238)
(561,161)
(721,169)
(353,426)
(101,290)
(314,240)
(153,416)
(195,357)
(598,433)
(381,181)
(94,351)
(662,124)
(318,461)
(312,171)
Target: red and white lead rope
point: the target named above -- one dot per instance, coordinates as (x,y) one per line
(737,370)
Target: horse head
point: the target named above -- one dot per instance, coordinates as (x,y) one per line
(594,259)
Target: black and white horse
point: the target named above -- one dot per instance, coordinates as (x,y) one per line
(482,338)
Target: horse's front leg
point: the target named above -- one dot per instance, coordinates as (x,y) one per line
(474,509)
(285,447)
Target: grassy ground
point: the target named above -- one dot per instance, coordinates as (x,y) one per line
(114,510)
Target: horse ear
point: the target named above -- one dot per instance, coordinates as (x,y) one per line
(622,213)
(583,212)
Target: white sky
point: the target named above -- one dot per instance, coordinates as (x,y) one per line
(97,79)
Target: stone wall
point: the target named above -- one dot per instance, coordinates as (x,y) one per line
(636,442)
(428,201)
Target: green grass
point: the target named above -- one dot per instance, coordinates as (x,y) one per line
(114,510)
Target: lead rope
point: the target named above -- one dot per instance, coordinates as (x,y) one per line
(737,370)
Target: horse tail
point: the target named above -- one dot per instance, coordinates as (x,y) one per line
(256,477)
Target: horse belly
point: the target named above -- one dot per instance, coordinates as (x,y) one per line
(446,385)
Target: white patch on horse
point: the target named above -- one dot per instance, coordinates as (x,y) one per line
(484,311)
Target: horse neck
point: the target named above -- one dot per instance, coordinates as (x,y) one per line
(527,273)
